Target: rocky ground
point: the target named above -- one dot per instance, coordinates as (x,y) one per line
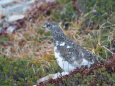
(13,13)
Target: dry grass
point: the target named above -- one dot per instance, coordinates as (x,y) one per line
(28,42)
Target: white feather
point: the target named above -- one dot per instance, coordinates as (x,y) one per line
(68,46)
(86,62)
(66,66)
(62,43)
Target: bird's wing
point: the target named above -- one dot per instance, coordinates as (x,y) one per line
(73,52)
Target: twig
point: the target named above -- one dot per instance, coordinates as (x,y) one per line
(108,49)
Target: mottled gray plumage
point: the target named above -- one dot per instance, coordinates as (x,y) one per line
(69,51)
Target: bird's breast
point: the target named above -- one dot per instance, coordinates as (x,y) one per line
(65,65)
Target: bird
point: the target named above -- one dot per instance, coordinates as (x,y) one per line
(69,54)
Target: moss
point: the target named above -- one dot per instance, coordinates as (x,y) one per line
(50,85)
(21,72)
(99,77)
(4,38)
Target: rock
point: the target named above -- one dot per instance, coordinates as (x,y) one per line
(12,10)
(13,13)
(1,30)
(11,29)
(5,25)
(14,18)
(16,8)
(3,2)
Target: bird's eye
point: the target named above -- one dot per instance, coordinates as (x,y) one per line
(48,25)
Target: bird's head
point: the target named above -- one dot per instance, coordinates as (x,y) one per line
(51,26)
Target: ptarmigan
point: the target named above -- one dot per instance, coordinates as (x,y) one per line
(69,55)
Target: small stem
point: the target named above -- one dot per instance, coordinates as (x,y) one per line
(107,49)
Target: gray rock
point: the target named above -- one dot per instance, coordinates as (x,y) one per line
(3,2)
(14,18)
(16,8)
(11,29)
(1,30)
(13,10)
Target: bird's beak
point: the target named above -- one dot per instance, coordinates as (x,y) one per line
(44,26)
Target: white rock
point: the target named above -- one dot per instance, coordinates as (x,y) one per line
(1,29)
(11,29)
(14,18)
(50,0)
(17,8)
(3,2)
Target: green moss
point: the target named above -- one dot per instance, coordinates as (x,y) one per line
(4,38)
(22,71)
(50,85)
(101,77)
